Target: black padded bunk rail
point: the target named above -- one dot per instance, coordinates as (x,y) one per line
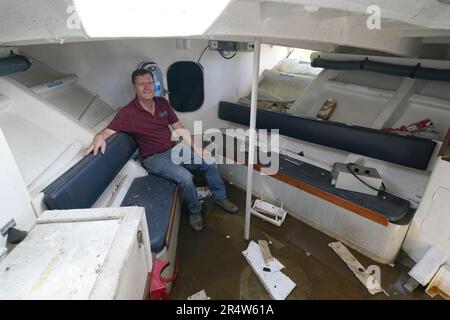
(412,152)
(413,71)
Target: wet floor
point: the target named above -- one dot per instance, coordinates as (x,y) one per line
(212,260)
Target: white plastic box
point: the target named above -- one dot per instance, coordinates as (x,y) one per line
(342,178)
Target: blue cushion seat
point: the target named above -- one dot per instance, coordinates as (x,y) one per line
(157,196)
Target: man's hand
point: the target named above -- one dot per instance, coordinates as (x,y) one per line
(99,142)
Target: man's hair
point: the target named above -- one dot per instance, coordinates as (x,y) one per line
(140,72)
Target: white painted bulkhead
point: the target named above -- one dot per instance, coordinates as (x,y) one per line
(431,223)
(105,69)
(37,132)
(14,196)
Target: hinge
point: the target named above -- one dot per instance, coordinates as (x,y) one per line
(140,238)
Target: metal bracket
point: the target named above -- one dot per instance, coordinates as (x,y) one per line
(6,227)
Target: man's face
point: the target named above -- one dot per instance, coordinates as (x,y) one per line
(144,87)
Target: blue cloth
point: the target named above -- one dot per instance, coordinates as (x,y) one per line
(175,163)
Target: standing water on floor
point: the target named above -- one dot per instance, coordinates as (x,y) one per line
(212,260)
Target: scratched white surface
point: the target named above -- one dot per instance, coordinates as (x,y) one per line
(57,261)
(276,282)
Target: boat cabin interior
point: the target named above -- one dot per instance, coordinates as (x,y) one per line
(333,115)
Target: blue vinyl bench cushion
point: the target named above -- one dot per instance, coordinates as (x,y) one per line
(81,186)
(156,195)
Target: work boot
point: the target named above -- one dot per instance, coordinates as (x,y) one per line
(196,221)
(227,205)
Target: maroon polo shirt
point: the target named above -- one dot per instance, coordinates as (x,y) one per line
(152,133)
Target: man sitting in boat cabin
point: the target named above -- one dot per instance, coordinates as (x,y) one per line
(147,119)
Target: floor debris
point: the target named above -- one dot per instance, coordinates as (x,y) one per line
(276,283)
(307,253)
(367,279)
(201,295)
(427,267)
(268,212)
(265,251)
(203,192)
(440,284)
(289,244)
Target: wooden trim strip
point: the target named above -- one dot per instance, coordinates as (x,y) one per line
(172,216)
(146,295)
(350,206)
(445,144)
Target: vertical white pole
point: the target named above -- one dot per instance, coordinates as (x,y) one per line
(251,155)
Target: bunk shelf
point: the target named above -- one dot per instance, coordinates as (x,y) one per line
(382,209)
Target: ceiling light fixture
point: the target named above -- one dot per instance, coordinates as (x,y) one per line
(147,18)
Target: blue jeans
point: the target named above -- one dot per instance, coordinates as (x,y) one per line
(161,164)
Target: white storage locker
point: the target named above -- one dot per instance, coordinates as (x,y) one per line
(80,254)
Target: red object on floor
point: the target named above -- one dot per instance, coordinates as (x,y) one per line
(158,290)
(414,127)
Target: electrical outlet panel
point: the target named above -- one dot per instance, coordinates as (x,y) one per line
(342,178)
(231,46)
